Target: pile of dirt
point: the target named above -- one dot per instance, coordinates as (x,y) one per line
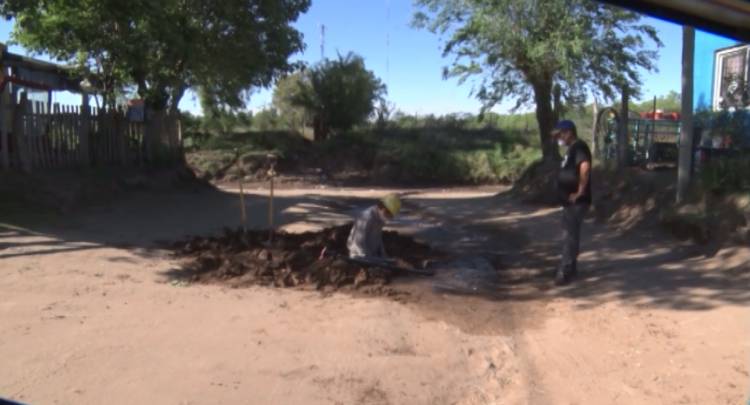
(241,258)
(632,198)
(538,184)
(715,219)
(638,198)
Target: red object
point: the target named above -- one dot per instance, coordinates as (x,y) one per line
(660,115)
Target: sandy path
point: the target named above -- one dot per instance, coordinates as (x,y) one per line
(88,316)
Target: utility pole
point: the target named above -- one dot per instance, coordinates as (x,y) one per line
(387,41)
(322,42)
(684,168)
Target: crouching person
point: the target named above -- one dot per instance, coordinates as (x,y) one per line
(366,237)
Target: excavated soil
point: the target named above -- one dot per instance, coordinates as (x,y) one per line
(241,258)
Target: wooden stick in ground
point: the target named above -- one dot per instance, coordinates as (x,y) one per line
(270,212)
(243,214)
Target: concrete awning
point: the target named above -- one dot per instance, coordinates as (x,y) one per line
(729,18)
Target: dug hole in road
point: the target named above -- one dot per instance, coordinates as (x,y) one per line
(94,310)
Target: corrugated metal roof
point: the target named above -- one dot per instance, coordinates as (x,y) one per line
(56,77)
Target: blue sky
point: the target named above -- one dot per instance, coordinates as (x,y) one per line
(412,64)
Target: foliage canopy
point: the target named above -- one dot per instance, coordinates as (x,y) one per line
(547,52)
(164,48)
(334,94)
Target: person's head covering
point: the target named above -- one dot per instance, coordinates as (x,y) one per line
(392,203)
(564,125)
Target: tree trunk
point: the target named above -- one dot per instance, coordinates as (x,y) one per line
(545,117)
(557,104)
(594,124)
(320,129)
(684,168)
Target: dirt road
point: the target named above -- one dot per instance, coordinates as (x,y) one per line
(89,314)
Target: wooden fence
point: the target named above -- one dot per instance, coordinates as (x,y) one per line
(36,135)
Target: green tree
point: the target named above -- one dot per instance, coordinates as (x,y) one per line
(165,47)
(288,89)
(547,52)
(671,102)
(267,119)
(335,94)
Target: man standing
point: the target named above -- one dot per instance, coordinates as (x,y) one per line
(574,188)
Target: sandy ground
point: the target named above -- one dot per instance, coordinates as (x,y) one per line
(89,314)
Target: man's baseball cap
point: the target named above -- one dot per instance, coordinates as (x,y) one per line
(564,125)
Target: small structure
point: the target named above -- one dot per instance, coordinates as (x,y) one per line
(721,81)
(40,134)
(720,72)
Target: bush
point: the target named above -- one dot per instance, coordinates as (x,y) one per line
(726,175)
(418,156)
(332,95)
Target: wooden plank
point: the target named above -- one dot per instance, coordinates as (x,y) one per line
(43,135)
(4,130)
(67,146)
(101,145)
(55,133)
(33,137)
(70,130)
(84,132)
(104,128)
(40,133)
(110,137)
(58,135)
(115,139)
(51,139)
(19,128)
(37,135)
(29,133)
(118,140)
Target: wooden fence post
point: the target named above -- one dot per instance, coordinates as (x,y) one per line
(121,135)
(180,152)
(4,118)
(84,132)
(154,134)
(19,132)
(149,135)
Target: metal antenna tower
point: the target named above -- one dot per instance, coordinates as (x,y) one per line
(322,41)
(387,41)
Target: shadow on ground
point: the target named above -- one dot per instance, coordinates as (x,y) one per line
(642,267)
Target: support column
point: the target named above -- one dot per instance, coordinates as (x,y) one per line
(684,168)
(622,136)
(4,117)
